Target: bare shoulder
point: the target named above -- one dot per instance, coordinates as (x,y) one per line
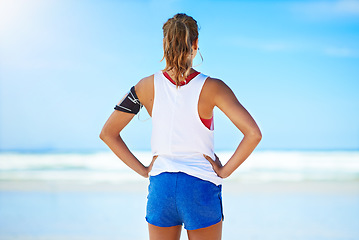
(144,84)
(220,94)
(215,82)
(145,89)
(217,87)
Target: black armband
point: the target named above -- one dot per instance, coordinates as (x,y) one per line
(130,104)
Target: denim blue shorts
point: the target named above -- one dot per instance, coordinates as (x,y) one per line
(177,198)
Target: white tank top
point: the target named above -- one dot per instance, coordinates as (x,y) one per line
(179,137)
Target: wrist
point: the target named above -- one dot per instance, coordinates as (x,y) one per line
(223,173)
(145,172)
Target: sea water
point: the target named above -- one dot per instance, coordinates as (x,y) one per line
(106,167)
(100,213)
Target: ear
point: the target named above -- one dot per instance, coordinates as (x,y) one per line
(195,44)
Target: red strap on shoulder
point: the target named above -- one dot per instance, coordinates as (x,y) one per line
(188,79)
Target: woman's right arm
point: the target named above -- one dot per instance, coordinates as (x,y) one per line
(110,133)
(227,102)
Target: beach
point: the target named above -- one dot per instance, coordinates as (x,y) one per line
(33,207)
(275,210)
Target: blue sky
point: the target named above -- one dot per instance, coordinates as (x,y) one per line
(64,64)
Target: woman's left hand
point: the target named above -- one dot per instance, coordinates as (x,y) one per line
(216,164)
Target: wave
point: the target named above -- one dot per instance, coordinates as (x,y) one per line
(106,167)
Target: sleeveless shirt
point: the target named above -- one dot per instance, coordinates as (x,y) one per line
(179,137)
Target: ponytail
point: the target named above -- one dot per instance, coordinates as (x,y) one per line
(179,33)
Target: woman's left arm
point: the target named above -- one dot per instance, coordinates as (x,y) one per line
(227,102)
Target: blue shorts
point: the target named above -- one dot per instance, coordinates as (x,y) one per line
(177,198)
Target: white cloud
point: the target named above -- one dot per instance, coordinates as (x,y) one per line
(328,9)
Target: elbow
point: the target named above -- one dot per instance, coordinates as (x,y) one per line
(104,134)
(255,135)
(259,135)
(107,134)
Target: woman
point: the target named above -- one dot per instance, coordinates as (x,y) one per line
(185,174)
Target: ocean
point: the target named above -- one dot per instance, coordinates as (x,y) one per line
(94,196)
(106,167)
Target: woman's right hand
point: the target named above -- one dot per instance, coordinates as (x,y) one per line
(216,165)
(149,168)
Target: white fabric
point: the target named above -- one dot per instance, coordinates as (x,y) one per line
(179,137)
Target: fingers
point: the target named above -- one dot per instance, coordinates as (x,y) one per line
(149,168)
(216,164)
(217,160)
(211,160)
(153,160)
(208,158)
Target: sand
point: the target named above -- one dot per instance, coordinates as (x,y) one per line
(253,210)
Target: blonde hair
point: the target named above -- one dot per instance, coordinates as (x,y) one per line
(179,33)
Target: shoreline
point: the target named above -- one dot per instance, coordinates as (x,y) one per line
(229,187)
